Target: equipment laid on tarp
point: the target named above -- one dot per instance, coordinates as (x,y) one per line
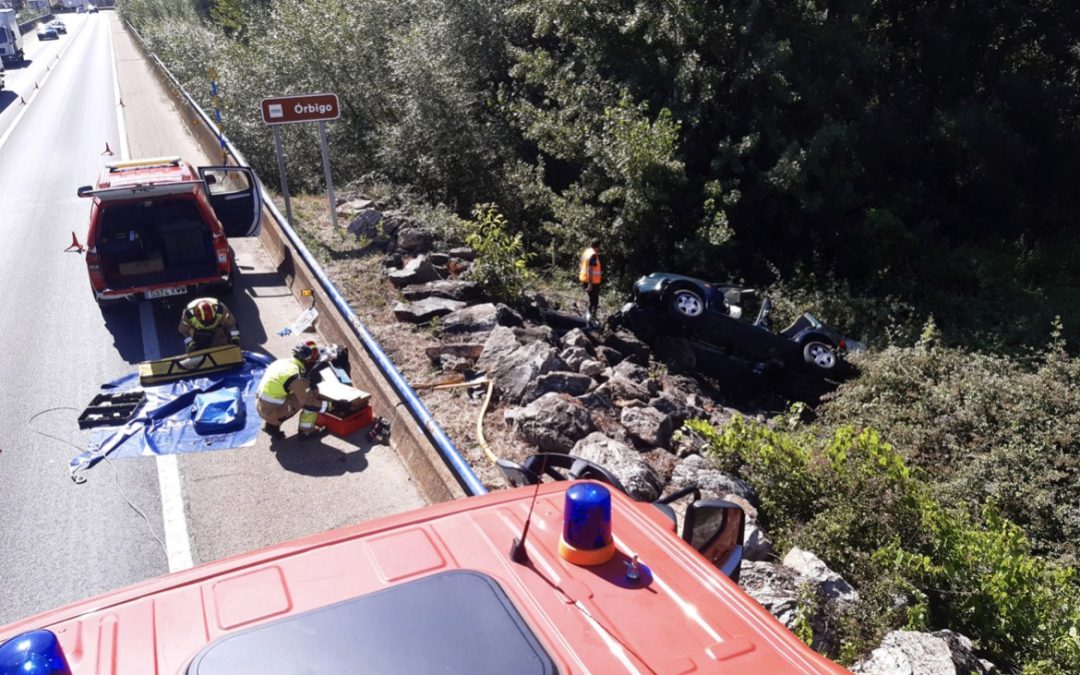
(110,409)
(193,364)
(219,412)
(165,424)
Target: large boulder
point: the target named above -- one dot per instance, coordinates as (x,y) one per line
(591,367)
(452,289)
(468,352)
(425,310)
(833,586)
(479,319)
(573,384)
(574,357)
(696,470)
(647,426)
(515,367)
(679,408)
(622,391)
(629,346)
(463,253)
(576,338)
(640,480)
(527,334)
(419,270)
(552,422)
(788,596)
(353,207)
(366,223)
(942,652)
(414,240)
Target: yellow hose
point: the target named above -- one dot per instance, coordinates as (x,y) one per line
(458,380)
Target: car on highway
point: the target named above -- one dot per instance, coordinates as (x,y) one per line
(92,9)
(720,315)
(58,26)
(159,227)
(599,583)
(46,32)
(81,9)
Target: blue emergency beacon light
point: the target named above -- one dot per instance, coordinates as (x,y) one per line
(36,652)
(586,536)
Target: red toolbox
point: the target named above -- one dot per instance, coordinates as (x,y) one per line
(343,426)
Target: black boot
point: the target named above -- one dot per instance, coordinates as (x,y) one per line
(273,430)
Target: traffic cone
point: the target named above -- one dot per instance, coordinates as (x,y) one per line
(22,100)
(75,247)
(121,102)
(107,151)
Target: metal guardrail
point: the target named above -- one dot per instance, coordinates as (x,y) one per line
(457,465)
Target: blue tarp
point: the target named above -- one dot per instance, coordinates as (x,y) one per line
(164,426)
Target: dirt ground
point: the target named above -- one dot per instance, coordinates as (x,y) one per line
(360,279)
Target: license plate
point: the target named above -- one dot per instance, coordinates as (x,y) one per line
(164,292)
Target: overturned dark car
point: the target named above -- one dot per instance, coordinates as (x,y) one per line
(728,320)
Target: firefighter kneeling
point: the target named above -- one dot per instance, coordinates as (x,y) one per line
(286,389)
(207,322)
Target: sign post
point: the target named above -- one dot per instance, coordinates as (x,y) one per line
(319,108)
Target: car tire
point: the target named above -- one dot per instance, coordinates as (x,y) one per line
(820,356)
(686,302)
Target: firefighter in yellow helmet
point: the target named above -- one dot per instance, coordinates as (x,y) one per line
(590,275)
(207,322)
(286,389)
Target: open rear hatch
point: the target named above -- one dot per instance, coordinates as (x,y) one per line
(154,242)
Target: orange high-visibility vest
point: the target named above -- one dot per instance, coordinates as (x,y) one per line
(590,273)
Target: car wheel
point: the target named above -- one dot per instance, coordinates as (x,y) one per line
(686,302)
(820,356)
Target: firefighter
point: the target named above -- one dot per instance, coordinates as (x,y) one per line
(207,322)
(590,276)
(286,389)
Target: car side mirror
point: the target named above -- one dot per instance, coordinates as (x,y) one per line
(85,190)
(716,528)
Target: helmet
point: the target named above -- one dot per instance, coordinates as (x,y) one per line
(308,352)
(204,314)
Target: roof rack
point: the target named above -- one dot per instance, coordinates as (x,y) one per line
(143,163)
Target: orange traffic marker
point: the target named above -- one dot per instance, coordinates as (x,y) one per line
(22,100)
(75,247)
(108,150)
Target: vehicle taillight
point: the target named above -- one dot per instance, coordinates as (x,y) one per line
(221,249)
(93,265)
(843,345)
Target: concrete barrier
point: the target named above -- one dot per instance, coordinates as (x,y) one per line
(439,469)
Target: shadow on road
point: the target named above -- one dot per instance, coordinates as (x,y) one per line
(122,321)
(313,457)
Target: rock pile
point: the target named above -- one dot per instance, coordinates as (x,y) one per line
(605,398)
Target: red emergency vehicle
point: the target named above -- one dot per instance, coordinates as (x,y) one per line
(159,227)
(449,589)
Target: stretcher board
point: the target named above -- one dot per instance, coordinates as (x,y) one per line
(194,364)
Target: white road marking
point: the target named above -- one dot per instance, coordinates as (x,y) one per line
(120,126)
(177,541)
(37,90)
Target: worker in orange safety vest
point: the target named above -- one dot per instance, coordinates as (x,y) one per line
(590,275)
(207,322)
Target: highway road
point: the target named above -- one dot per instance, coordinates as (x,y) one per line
(133,518)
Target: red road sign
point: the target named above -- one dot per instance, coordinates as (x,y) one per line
(294,109)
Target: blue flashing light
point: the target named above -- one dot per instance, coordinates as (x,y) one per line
(36,652)
(587,517)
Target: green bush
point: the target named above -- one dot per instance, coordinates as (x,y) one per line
(852,499)
(985,428)
(500,265)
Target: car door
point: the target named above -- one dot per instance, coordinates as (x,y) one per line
(234,196)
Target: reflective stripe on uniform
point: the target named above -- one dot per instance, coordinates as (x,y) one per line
(589,273)
(268,399)
(274,386)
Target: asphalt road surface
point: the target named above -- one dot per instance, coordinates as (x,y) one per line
(133,518)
